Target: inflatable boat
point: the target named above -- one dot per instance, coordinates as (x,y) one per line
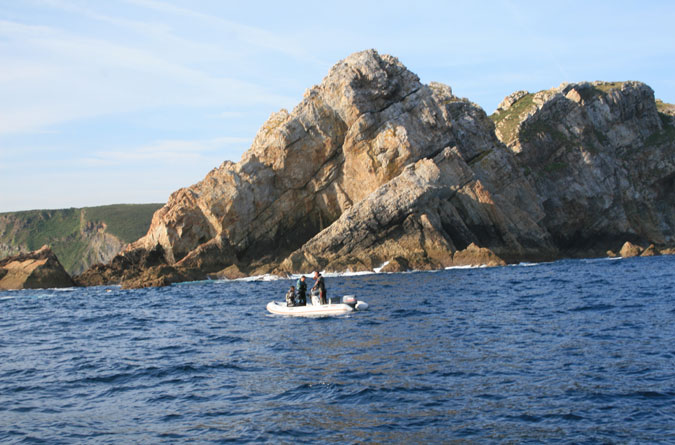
(348,304)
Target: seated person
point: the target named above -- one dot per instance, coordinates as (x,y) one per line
(290,297)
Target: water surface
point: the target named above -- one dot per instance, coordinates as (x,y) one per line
(576,351)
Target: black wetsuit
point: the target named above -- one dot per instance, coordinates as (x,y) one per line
(322,290)
(301,288)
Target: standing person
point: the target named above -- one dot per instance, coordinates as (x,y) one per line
(290,297)
(301,288)
(319,284)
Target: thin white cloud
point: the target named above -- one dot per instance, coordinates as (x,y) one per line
(210,152)
(51,76)
(249,34)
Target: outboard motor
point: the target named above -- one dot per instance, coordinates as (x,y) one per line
(349,300)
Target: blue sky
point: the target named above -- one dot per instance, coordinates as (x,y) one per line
(125,101)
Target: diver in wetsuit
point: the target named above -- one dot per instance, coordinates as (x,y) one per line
(319,284)
(290,297)
(301,287)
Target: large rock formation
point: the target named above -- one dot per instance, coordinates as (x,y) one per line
(602,160)
(373,167)
(427,215)
(34,270)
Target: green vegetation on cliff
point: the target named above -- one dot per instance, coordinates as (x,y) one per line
(128,222)
(78,237)
(511,117)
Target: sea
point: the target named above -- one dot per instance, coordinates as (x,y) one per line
(573,351)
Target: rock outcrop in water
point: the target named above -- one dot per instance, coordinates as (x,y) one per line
(373,167)
(34,270)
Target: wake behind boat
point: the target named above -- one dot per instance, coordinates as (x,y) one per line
(348,304)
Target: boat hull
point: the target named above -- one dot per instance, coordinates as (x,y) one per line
(324,310)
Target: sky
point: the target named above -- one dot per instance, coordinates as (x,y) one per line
(126,101)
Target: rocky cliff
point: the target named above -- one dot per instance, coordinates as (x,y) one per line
(33,270)
(601,157)
(374,167)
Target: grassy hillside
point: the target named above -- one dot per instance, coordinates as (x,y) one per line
(77,236)
(128,222)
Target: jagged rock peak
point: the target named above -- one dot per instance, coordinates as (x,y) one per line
(365,82)
(602,104)
(511,99)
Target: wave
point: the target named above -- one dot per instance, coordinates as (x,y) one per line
(271,277)
(526,264)
(595,260)
(379,269)
(265,277)
(593,307)
(481,266)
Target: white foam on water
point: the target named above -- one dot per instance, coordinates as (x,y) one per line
(347,274)
(379,269)
(466,267)
(594,260)
(264,277)
(309,276)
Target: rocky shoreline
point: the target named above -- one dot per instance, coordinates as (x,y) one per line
(41,269)
(374,167)
(34,270)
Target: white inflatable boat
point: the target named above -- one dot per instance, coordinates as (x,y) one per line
(349,304)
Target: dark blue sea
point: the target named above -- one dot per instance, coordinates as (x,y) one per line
(575,351)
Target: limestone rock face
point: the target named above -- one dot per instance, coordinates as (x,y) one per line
(124,267)
(601,158)
(351,135)
(231,273)
(374,167)
(396,264)
(650,251)
(477,256)
(35,270)
(434,208)
(630,250)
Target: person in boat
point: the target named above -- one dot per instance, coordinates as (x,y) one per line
(321,286)
(301,288)
(290,297)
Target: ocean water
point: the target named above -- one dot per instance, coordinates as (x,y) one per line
(575,351)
